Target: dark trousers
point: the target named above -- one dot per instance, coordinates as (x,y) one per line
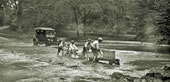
(95,53)
(84,51)
(60,49)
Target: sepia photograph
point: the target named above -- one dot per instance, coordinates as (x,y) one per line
(84,40)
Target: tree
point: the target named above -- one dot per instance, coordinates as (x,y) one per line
(141,13)
(163,29)
(45,13)
(75,5)
(86,8)
(17,7)
(3,4)
(1,14)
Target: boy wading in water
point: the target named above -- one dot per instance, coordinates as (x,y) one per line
(96,49)
(87,48)
(73,48)
(61,46)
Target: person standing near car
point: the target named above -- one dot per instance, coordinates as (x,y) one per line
(96,48)
(35,42)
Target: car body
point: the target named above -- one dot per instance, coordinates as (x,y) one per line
(45,35)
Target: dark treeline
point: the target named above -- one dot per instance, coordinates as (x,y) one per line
(147,19)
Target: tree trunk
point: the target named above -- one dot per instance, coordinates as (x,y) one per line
(1,16)
(77,26)
(76,20)
(84,22)
(19,15)
(84,29)
(117,28)
(1,13)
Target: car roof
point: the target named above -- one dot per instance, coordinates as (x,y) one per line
(43,28)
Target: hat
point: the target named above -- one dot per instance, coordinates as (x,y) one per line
(100,38)
(61,39)
(72,41)
(89,39)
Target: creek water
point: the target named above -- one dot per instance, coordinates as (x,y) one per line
(136,59)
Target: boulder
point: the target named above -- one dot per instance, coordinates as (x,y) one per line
(119,77)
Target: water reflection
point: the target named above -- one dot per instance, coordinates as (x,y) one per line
(136,46)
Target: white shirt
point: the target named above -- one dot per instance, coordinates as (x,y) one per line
(73,47)
(87,44)
(62,44)
(95,44)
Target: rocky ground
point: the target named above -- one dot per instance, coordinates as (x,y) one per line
(156,75)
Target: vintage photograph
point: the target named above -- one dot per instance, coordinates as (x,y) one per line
(84,40)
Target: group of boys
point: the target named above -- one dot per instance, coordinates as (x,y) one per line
(71,48)
(89,46)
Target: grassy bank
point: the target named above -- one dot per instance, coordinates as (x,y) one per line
(73,35)
(28,35)
(24,36)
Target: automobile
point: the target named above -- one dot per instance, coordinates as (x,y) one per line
(108,55)
(44,35)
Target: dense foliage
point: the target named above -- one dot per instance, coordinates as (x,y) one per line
(163,23)
(109,17)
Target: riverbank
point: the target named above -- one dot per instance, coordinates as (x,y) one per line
(160,74)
